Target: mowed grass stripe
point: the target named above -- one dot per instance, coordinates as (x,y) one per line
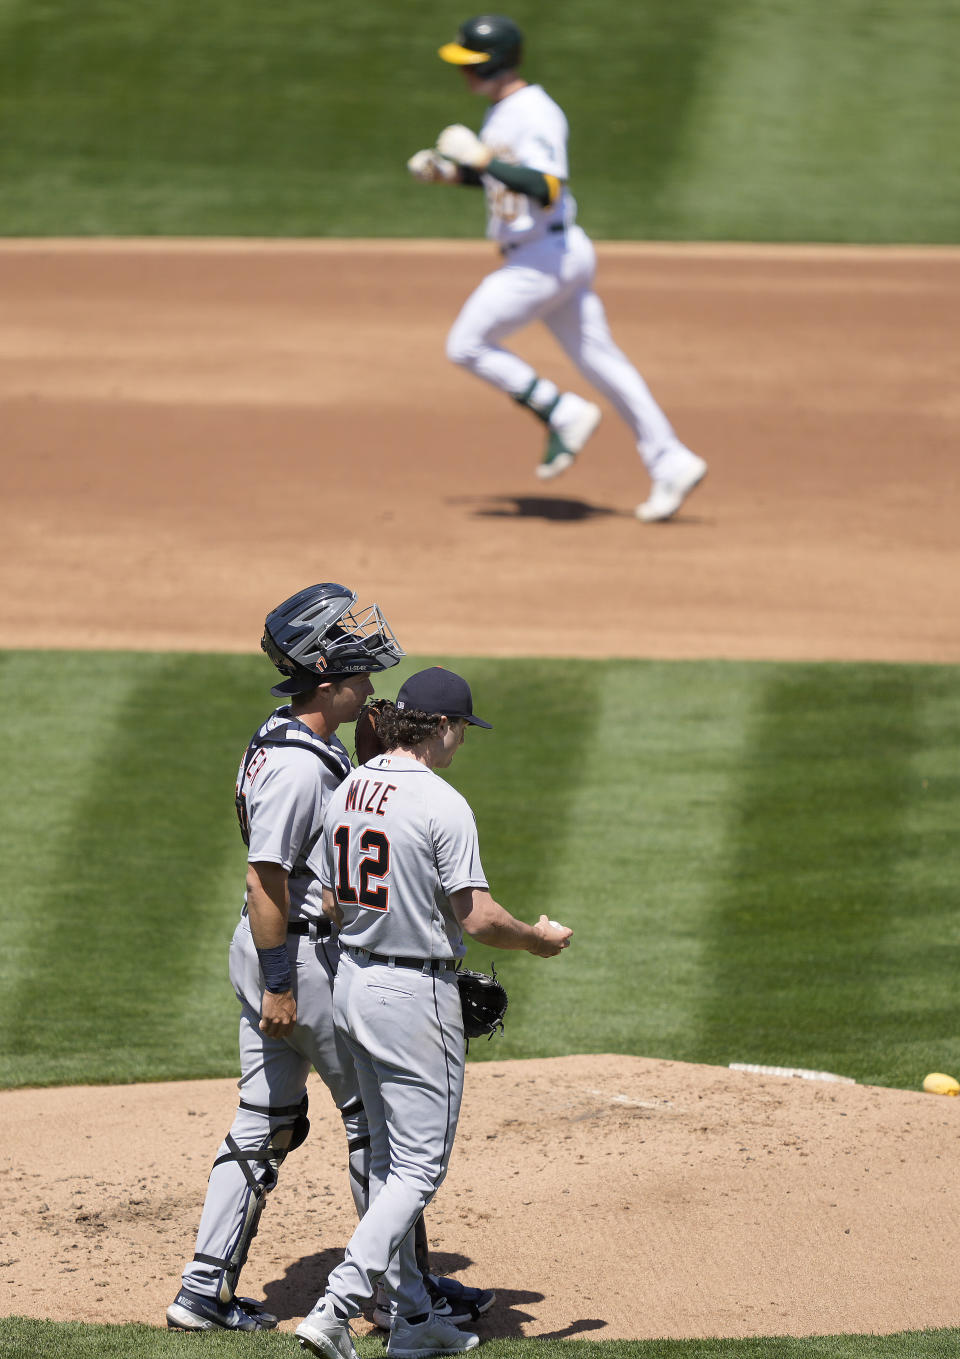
(919,1025)
(821,101)
(154,863)
(653,65)
(134,898)
(797,963)
(747,120)
(654,816)
(522,780)
(48,751)
(617,829)
(758,860)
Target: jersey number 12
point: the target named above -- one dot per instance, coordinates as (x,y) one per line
(374,864)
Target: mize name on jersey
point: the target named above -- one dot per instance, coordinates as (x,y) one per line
(358,801)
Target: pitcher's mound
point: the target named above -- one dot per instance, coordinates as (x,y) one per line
(603,1197)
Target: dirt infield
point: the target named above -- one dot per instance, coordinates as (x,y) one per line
(603,1198)
(193,430)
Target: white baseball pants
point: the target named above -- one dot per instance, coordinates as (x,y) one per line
(551,280)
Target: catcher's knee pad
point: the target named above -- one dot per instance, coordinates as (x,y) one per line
(285,1129)
(358,1153)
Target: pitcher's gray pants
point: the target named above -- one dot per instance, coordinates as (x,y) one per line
(404,1029)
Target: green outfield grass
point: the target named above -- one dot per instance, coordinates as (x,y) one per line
(24,1339)
(798,120)
(758,860)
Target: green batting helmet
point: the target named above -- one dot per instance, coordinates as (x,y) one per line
(489,44)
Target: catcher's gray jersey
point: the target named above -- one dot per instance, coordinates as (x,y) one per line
(397,842)
(283,784)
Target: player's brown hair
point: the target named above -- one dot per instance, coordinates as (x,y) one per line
(405,728)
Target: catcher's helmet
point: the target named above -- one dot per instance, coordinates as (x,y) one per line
(316,635)
(488,44)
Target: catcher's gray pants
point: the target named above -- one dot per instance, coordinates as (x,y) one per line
(271,1118)
(405,1031)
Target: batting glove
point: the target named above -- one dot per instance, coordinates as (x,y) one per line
(460,144)
(429,168)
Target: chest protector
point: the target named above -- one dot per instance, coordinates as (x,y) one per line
(339,765)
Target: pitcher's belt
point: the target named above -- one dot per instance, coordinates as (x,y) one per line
(421,964)
(515,245)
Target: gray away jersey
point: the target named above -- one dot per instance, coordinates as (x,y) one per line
(397,842)
(283,784)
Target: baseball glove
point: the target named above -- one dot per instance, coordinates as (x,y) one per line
(484,1003)
(367,741)
(430,168)
(459,144)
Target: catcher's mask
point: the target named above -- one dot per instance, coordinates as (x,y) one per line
(317,635)
(488,44)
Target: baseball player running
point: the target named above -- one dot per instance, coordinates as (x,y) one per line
(520,160)
(400,866)
(282,958)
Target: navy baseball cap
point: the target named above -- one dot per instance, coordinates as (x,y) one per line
(439,691)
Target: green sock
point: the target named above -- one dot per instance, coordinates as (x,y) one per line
(543,406)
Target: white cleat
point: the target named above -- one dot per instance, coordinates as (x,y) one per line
(566,441)
(433,1336)
(322,1332)
(668,494)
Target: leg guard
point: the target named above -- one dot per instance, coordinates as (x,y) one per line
(259,1162)
(358,1153)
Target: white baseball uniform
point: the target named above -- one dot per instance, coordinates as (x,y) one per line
(397,842)
(547,275)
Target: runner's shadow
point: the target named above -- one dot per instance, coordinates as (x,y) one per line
(536,507)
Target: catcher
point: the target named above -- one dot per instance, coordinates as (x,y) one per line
(400,868)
